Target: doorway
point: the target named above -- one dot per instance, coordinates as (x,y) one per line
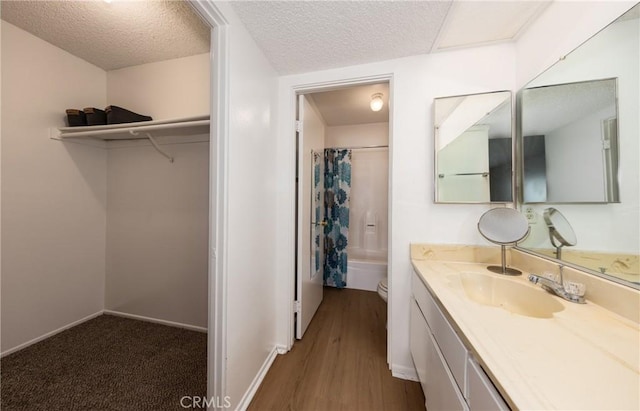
(212,204)
(342,193)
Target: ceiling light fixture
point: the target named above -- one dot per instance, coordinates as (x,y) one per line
(376,102)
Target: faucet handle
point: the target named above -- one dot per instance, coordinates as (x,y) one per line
(574,288)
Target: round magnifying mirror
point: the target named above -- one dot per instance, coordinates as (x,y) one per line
(559,230)
(503,226)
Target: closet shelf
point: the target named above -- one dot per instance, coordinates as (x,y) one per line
(134,131)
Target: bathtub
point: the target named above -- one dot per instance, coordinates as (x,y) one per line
(365,269)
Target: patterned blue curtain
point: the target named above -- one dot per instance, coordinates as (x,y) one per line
(337,184)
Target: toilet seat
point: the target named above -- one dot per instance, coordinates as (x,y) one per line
(383,289)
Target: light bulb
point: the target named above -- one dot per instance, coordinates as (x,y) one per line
(376,102)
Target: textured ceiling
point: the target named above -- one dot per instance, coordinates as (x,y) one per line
(348,106)
(113,35)
(301,36)
(548,108)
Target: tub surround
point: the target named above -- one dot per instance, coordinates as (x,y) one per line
(568,361)
(365,268)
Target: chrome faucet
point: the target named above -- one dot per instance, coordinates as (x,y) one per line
(571,291)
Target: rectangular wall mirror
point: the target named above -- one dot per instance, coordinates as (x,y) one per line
(595,183)
(473,148)
(570,142)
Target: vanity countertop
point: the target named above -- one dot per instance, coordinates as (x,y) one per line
(583,358)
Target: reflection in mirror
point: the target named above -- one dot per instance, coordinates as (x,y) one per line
(503,226)
(608,232)
(473,148)
(560,232)
(570,147)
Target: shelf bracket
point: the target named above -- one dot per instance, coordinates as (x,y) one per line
(155,145)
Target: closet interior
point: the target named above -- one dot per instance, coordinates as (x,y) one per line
(109,219)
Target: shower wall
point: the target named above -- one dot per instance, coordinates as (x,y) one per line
(368,215)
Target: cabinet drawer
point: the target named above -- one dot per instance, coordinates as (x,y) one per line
(482,396)
(454,351)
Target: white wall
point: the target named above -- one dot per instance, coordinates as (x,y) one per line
(157,232)
(562,27)
(569,176)
(165,90)
(252,226)
(158,212)
(371,134)
(53,193)
(416,81)
(369,181)
(606,227)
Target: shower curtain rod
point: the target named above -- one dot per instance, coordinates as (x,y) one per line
(357,147)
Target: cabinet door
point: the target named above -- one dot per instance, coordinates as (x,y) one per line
(483,396)
(439,387)
(450,345)
(441,391)
(418,340)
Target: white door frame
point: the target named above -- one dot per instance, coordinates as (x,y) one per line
(293,92)
(218,204)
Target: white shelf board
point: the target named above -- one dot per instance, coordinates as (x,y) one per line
(158,128)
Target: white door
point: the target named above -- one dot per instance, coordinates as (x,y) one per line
(310,223)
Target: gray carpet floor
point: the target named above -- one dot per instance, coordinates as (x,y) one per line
(107,363)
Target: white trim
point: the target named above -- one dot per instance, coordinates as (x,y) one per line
(156,320)
(255,384)
(51,334)
(304,88)
(218,198)
(404,373)
(282,349)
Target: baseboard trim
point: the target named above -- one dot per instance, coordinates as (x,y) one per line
(282,349)
(255,384)
(405,373)
(156,320)
(50,334)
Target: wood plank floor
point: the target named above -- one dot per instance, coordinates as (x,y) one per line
(340,364)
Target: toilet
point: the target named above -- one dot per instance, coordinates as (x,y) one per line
(382,289)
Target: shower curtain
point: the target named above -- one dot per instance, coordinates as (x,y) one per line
(337,184)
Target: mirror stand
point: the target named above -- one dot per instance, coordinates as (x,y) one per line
(558,252)
(503,269)
(503,226)
(559,229)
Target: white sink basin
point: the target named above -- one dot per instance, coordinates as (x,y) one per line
(509,295)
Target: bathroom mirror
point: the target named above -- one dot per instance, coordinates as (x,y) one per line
(605,67)
(503,226)
(570,142)
(473,148)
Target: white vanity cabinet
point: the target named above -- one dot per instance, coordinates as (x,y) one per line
(440,389)
(450,377)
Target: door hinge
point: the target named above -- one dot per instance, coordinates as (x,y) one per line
(298,126)
(296,306)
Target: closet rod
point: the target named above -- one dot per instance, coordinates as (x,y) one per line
(356,147)
(154,144)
